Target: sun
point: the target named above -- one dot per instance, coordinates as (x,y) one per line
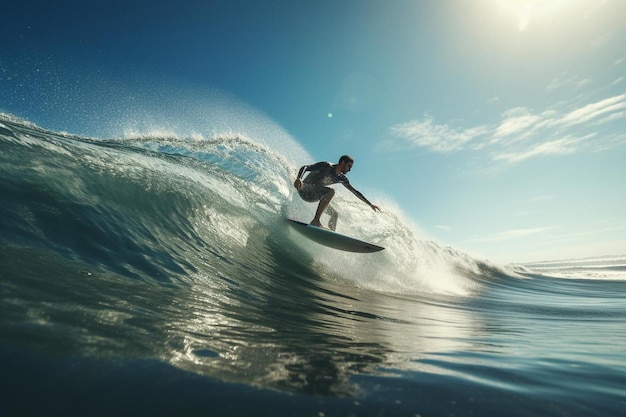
(525,12)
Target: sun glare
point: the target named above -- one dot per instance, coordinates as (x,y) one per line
(525,12)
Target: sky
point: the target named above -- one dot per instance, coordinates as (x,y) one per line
(497,126)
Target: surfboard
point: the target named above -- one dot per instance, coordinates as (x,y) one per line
(333,239)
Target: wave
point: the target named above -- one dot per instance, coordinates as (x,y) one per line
(166,209)
(610,267)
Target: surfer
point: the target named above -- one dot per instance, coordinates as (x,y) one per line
(314,187)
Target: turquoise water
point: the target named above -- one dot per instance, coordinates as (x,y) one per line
(158,276)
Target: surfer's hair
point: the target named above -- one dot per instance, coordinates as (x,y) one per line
(346,159)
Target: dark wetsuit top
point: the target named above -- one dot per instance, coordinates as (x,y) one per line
(320,175)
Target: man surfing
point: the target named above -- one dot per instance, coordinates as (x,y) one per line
(314,187)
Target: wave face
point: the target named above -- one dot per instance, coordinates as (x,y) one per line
(176,250)
(154,208)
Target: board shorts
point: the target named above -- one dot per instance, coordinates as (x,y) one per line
(313,193)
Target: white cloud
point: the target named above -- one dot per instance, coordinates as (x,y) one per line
(568,80)
(542,198)
(439,138)
(563,146)
(444,228)
(521,133)
(602,40)
(612,117)
(593,110)
(516,121)
(512,234)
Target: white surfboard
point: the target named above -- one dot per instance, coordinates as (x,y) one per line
(333,239)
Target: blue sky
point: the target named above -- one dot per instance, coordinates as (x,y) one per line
(498,126)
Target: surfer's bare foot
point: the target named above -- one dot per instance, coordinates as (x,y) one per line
(318,224)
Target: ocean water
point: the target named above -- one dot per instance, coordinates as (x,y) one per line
(156,275)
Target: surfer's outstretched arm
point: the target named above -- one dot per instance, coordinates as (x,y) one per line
(361,197)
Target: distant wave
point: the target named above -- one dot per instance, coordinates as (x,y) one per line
(610,267)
